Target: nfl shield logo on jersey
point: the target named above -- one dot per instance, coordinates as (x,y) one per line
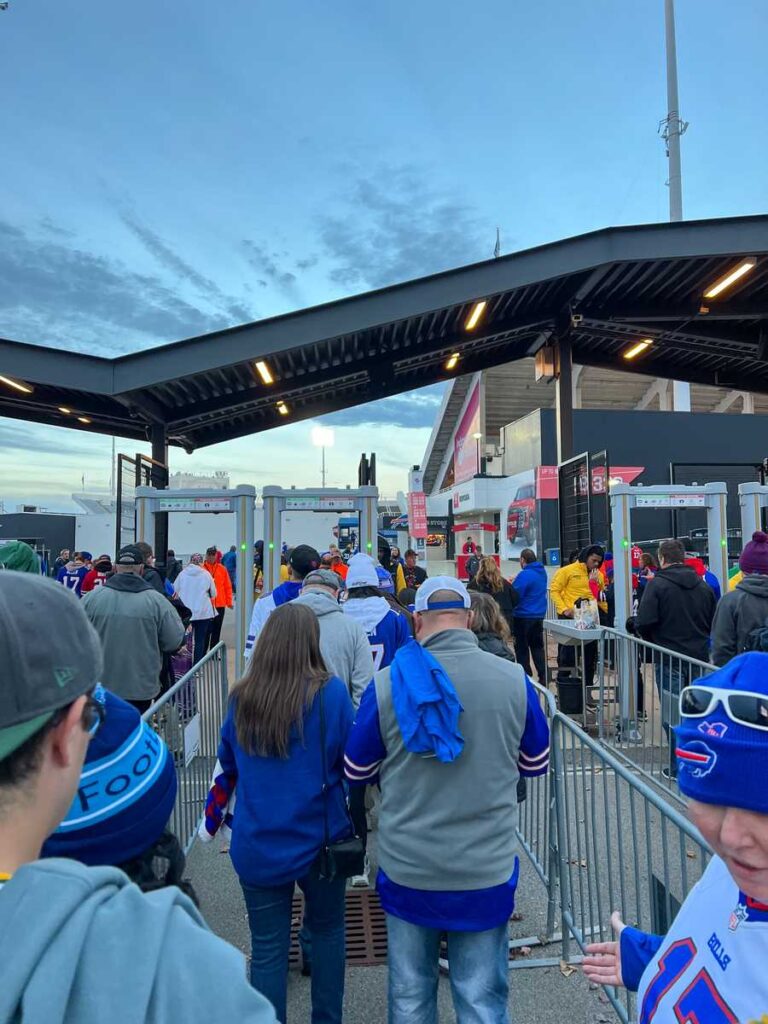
(737,916)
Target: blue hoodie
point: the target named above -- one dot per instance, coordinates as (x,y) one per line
(531,586)
(84,945)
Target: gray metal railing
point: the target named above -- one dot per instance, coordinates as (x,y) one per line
(189,717)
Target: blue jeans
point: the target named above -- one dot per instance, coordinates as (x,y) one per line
(269,917)
(479,974)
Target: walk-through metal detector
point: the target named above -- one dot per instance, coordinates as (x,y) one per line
(241,501)
(624,497)
(364,500)
(753,498)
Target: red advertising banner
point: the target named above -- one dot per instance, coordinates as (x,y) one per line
(417,514)
(465,446)
(547,482)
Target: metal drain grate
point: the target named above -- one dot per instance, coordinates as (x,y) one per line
(366,929)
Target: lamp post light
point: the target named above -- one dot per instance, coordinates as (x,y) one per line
(322,437)
(478,437)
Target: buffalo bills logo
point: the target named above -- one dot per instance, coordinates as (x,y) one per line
(714,729)
(697,757)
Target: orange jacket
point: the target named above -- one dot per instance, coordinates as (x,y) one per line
(223,583)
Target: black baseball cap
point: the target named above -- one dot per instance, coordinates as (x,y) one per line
(130,555)
(303,559)
(39,678)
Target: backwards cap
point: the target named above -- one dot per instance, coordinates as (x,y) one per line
(720,761)
(441,583)
(41,674)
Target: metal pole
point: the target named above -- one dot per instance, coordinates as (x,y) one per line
(323,469)
(564,396)
(674,122)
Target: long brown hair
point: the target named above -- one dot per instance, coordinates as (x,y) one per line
(282,679)
(489,575)
(487,617)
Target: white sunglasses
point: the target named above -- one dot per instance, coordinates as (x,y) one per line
(741,706)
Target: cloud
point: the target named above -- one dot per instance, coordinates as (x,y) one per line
(396,226)
(412,410)
(14,437)
(308,263)
(54,293)
(184,271)
(266,265)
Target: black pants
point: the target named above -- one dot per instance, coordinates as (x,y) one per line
(529,643)
(141,705)
(215,635)
(566,660)
(357,812)
(200,630)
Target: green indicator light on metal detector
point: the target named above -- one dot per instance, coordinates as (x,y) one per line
(243,547)
(271,546)
(625,543)
(369,545)
(723,542)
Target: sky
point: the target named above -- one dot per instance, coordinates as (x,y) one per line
(170,169)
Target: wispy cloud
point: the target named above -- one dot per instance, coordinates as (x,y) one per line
(395,226)
(269,270)
(167,257)
(414,409)
(53,292)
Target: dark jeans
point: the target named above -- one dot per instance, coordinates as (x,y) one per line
(529,643)
(215,633)
(566,659)
(269,917)
(200,630)
(670,679)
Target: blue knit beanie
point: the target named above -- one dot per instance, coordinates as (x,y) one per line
(126,793)
(720,761)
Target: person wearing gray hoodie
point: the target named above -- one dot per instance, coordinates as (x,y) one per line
(745,608)
(83,945)
(343,643)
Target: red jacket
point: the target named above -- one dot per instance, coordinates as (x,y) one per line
(223,583)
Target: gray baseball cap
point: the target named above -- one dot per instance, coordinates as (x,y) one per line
(323,578)
(50,654)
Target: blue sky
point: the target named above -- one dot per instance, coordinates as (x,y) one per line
(171,168)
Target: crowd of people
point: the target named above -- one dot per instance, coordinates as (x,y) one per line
(357,691)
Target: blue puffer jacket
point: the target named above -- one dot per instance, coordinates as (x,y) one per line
(531,586)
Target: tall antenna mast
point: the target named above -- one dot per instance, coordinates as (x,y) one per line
(672,127)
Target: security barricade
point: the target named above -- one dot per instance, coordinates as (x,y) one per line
(189,717)
(638,706)
(621,847)
(575,666)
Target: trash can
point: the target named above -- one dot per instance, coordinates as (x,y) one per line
(552,556)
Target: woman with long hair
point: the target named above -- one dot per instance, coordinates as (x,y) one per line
(490,627)
(490,581)
(285,732)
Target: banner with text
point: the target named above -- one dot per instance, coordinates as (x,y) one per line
(465,447)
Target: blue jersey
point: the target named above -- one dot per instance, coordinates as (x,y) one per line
(386,630)
(72,576)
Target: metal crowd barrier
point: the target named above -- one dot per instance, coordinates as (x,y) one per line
(189,717)
(639,686)
(621,847)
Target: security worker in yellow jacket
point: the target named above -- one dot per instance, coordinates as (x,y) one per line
(568,585)
(573,582)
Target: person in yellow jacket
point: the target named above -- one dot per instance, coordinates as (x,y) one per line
(581,580)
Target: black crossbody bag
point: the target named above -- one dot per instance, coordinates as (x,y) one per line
(346,857)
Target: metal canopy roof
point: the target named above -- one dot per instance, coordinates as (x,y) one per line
(605,289)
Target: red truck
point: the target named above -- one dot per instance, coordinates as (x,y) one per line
(521,516)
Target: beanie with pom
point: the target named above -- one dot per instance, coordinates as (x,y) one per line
(754,557)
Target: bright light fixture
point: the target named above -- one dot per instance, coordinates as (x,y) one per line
(641,346)
(17,384)
(264,372)
(452,361)
(475,315)
(65,410)
(83,419)
(282,408)
(477,437)
(322,437)
(730,278)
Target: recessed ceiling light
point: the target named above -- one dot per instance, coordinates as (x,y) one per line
(452,361)
(637,348)
(730,278)
(264,372)
(17,384)
(475,315)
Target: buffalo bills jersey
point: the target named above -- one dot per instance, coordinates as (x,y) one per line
(386,629)
(72,578)
(710,968)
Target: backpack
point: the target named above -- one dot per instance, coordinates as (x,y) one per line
(757,639)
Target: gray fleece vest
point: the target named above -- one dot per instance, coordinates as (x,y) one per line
(452,826)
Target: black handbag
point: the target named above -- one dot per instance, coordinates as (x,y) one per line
(346,857)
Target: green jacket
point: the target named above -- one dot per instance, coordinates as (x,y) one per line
(137,626)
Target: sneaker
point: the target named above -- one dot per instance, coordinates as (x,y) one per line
(361,881)
(669,774)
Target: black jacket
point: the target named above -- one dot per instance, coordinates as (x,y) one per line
(506,598)
(738,613)
(414,577)
(676,611)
